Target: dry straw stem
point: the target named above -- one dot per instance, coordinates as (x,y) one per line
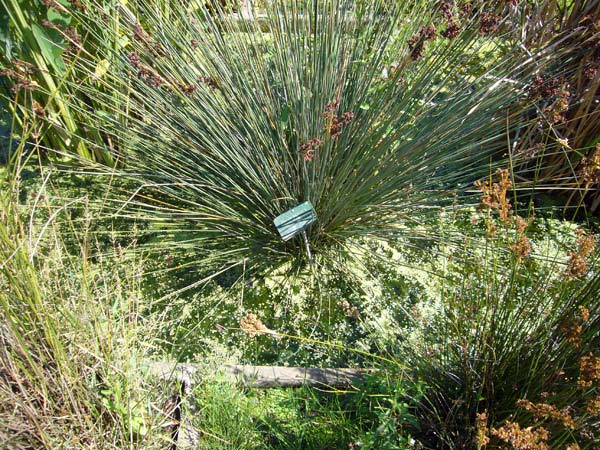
(68,328)
(566,94)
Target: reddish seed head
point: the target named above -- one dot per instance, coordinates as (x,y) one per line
(590,72)
(211,82)
(48,24)
(489,23)
(467,9)
(447,10)
(428,32)
(77,4)
(451,31)
(134,59)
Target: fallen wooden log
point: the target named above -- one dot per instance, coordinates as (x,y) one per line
(280,377)
(264,376)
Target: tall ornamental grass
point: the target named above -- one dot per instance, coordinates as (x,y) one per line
(562,146)
(378,113)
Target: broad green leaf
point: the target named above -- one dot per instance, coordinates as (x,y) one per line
(50,48)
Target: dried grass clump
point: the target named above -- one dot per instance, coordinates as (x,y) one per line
(567,96)
(69,365)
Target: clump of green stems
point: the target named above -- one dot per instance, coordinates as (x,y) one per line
(221,122)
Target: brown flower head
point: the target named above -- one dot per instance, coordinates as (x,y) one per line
(546,411)
(143,73)
(593,406)
(210,82)
(134,59)
(489,23)
(416,43)
(466,10)
(494,194)
(573,327)
(188,89)
(20,73)
(74,40)
(156,81)
(309,149)
(77,5)
(350,310)
(336,123)
(48,24)
(522,247)
(584,313)
(590,167)
(589,370)
(253,326)
(52,4)
(141,35)
(428,32)
(331,109)
(590,72)
(522,439)
(577,265)
(39,110)
(482,431)
(452,30)
(557,111)
(447,10)
(544,88)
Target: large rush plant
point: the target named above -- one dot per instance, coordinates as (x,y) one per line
(379,113)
